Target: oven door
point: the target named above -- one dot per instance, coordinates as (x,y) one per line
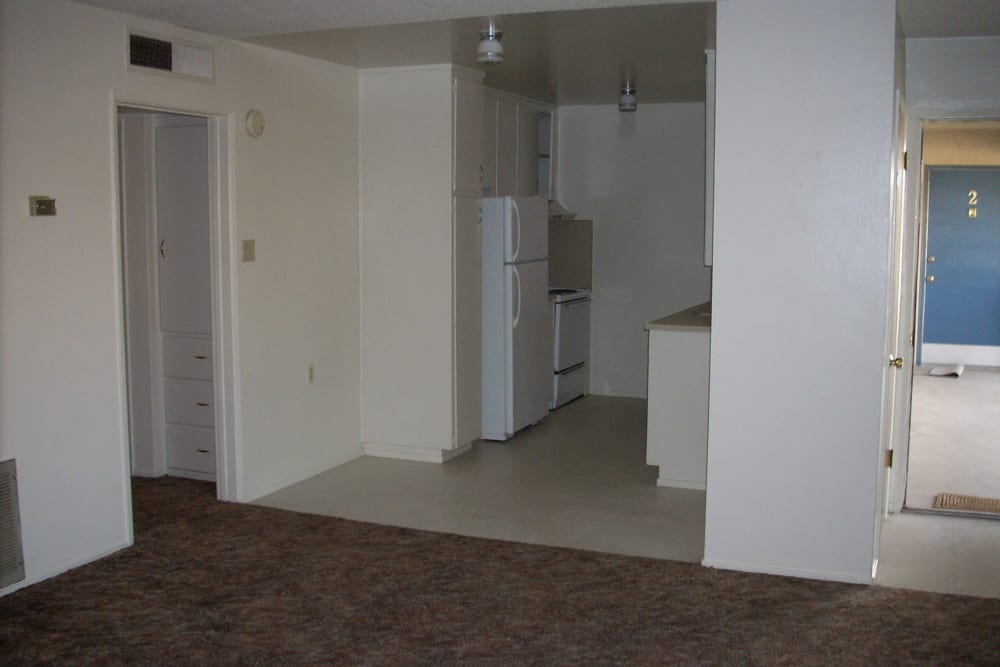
(572,334)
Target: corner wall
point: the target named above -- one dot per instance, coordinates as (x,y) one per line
(803,141)
(640,178)
(294,190)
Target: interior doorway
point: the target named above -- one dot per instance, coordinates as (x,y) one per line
(174,294)
(955,406)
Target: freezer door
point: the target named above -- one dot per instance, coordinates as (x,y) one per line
(526,234)
(530,352)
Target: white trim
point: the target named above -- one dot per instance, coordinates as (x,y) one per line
(192,474)
(408,453)
(617,394)
(801,573)
(969,355)
(223,286)
(680,483)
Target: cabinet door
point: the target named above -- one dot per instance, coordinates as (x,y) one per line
(527,151)
(490,119)
(467,163)
(506,147)
(182,224)
(468,317)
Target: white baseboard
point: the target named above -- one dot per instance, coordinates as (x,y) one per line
(969,355)
(680,483)
(408,453)
(617,394)
(801,573)
(191,474)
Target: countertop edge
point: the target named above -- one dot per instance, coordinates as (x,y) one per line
(690,319)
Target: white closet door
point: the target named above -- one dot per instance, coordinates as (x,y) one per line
(182,228)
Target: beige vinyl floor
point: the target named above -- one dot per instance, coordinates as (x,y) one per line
(579,480)
(954,448)
(954,437)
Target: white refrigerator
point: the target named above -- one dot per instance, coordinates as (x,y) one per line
(517,320)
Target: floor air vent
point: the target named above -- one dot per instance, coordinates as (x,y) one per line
(11,556)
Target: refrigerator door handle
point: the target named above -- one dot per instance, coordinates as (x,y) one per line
(515,228)
(517,313)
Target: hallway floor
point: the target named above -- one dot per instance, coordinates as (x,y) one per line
(579,479)
(954,437)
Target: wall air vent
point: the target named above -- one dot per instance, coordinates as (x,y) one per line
(11,555)
(184,59)
(149,52)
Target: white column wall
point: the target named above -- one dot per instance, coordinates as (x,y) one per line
(803,135)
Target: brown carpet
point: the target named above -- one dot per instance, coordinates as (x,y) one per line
(210,583)
(958,502)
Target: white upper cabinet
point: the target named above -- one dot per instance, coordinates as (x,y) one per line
(467,164)
(526,173)
(506,155)
(490,110)
(517,146)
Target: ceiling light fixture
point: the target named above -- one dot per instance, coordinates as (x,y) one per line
(627,101)
(490,49)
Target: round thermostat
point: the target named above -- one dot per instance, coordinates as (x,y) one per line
(255,123)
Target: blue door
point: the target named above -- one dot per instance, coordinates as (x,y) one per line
(962,292)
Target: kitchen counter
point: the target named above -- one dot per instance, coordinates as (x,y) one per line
(695,318)
(677,422)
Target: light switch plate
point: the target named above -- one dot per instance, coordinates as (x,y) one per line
(41,205)
(249,250)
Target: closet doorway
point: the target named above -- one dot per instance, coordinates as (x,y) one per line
(166,205)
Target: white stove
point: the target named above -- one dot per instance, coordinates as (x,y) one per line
(570,344)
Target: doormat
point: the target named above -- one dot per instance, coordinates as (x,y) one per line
(954,501)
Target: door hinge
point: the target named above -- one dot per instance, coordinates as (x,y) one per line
(906,159)
(911,340)
(888,458)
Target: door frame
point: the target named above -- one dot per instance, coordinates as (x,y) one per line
(916,209)
(223,283)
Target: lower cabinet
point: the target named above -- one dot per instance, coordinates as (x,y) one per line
(189,406)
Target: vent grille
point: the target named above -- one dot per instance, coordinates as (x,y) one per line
(149,52)
(183,59)
(11,556)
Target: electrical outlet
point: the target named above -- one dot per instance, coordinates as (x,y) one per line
(249,250)
(311,374)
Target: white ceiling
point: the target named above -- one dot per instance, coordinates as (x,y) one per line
(565,51)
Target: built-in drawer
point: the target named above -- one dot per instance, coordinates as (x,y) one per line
(191,448)
(189,402)
(187,356)
(569,384)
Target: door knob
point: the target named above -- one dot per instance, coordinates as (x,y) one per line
(896,362)
(930,279)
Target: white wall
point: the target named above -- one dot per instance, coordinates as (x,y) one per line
(953,74)
(294,190)
(406,185)
(803,130)
(640,177)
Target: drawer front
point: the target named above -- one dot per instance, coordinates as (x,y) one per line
(187,357)
(569,385)
(189,402)
(191,448)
